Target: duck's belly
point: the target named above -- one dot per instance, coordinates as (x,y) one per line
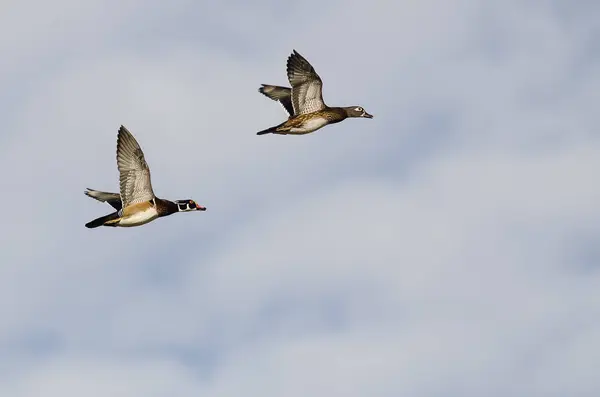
(309,126)
(139,218)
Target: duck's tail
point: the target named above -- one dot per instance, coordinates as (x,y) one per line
(268,131)
(103,220)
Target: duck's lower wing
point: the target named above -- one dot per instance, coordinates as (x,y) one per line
(114,199)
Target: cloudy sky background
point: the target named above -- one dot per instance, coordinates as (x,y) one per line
(447,247)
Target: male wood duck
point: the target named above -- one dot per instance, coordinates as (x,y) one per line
(136,204)
(304,101)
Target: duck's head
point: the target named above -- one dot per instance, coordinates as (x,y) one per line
(357,111)
(189,205)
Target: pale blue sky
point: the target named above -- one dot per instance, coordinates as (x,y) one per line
(447,247)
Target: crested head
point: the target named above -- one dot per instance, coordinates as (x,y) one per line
(188,205)
(357,111)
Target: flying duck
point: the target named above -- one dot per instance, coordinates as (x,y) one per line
(136,204)
(304,101)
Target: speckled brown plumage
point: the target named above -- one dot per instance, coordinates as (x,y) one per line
(304,101)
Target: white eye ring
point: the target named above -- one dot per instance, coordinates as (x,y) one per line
(359,109)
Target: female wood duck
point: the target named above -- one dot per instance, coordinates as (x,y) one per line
(304,101)
(136,204)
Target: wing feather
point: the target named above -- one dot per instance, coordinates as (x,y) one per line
(307,87)
(283,95)
(134,173)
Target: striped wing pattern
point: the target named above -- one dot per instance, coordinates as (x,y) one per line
(307,96)
(134,174)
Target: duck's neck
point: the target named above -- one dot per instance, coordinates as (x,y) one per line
(166,207)
(337,114)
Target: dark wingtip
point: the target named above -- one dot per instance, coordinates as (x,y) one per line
(296,54)
(123,130)
(293,55)
(297,61)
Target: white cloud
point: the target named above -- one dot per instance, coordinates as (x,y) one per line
(96,376)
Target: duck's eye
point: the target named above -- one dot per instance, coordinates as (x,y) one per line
(359,109)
